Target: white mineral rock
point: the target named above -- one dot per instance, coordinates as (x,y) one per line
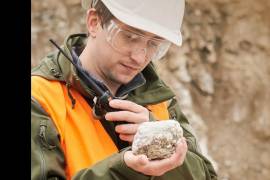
(157,139)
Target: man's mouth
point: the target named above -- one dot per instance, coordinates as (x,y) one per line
(131,68)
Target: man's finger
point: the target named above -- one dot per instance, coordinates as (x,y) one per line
(135,161)
(142,160)
(125,116)
(172,162)
(126,105)
(127,128)
(126,137)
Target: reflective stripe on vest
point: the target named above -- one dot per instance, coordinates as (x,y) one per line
(83,138)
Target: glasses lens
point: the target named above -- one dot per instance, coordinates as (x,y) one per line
(162,50)
(127,42)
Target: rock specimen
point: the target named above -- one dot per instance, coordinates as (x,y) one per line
(157,139)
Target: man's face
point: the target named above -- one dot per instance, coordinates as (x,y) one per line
(121,52)
(117,66)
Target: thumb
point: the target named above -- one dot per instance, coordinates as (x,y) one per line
(142,159)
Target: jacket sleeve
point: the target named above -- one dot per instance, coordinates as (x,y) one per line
(112,168)
(195,166)
(48,161)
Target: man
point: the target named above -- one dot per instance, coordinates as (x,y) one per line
(73,134)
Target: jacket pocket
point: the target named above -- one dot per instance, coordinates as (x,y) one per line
(45,142)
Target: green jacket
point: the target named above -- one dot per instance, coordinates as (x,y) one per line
(47,157)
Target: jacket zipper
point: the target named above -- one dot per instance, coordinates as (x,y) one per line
(42,167)
(43,145)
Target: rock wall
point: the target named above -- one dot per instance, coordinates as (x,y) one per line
(221,75)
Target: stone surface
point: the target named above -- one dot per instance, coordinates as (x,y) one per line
(157,140)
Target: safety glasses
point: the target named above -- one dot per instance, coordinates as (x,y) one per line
(126,41)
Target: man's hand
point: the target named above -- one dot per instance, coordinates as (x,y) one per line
(141,164)
(130,112)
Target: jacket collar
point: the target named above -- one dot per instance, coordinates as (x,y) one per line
(123,90)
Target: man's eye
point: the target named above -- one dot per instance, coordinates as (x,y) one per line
(130,36)
(153,43)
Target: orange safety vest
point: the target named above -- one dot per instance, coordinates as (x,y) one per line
(83,138)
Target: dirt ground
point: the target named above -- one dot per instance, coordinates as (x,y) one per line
(221,75)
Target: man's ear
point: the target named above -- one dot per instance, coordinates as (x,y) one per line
(93,22)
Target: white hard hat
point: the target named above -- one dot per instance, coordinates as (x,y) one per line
(160,17)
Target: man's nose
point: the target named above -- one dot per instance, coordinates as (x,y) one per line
(139,51)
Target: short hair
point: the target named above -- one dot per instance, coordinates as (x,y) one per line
(103,12)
